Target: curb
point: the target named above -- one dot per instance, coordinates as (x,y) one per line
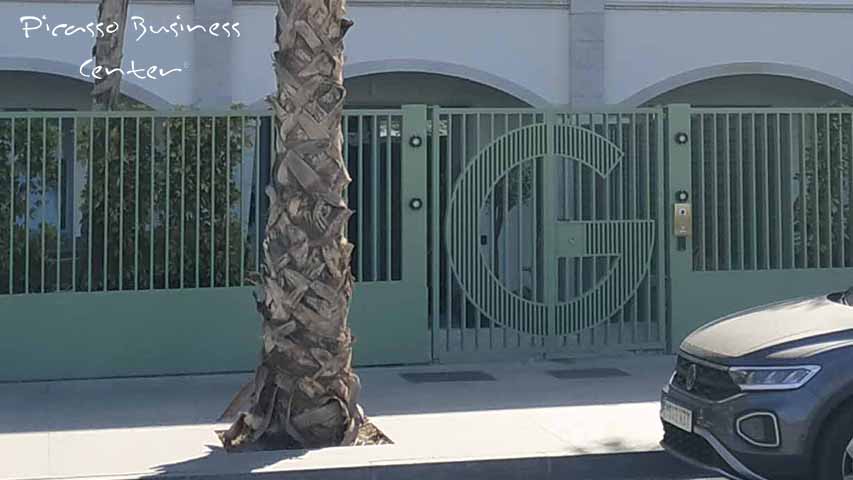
(624,466)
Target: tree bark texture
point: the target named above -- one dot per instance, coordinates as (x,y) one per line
(108,51)
(304,392)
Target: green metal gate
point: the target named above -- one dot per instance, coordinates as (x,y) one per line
(771,195)
(546,232)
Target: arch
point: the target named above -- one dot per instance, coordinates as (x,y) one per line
(359,69)
(742,68)
(63,69)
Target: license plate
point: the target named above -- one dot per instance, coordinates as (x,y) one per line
(677,415)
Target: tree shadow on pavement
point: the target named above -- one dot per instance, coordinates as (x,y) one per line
(217,462)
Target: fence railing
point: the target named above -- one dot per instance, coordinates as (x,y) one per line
(772,188)
(151,200)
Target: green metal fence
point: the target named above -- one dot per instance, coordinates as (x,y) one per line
(772,189)
(372,152)
(139,201)
(107,202)
(129,233)
(131,236)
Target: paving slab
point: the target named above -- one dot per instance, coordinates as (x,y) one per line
(164,427)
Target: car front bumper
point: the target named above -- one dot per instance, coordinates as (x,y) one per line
(715,445)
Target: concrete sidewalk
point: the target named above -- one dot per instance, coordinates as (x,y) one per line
(130,428)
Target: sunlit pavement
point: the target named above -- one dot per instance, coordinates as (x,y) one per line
(522,422)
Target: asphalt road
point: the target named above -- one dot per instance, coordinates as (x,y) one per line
(628,466)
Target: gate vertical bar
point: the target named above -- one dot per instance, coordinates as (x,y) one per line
(59,156)
(12,191)
(43,197)
(27,209)
(435,219)
(660,254)
(121,207)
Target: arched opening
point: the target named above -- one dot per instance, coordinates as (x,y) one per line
(39,84)
(22,90)
(754,90)
(392,89)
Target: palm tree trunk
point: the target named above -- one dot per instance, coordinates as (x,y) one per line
(304,392)
(108,52)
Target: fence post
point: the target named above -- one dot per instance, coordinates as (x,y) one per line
(414,212)
(679,250)
(413,179)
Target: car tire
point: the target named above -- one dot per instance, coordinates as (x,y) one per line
(832,448)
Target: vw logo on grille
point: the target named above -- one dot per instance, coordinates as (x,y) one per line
(690,381)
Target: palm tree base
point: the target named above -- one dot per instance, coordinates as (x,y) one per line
(368,434)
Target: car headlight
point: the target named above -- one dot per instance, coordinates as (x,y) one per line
(772,378)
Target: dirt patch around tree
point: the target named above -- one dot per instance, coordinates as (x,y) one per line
(369,434)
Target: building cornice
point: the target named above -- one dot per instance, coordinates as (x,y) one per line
(530,4)
(613,5)
(712,6)
(134,2)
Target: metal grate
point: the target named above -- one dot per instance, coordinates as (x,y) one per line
(448,377)
(772,189)
(583,373)
(711,383)
(565,361)
(693,447)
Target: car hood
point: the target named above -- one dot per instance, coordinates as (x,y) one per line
(767,326)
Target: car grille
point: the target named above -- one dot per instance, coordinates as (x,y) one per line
(693,447)
(711,383)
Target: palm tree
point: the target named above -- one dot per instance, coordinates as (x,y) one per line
(304,393)
(108,52)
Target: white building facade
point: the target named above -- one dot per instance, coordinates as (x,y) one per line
(477,53)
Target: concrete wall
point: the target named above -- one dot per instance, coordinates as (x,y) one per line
(495,47)
(669,47)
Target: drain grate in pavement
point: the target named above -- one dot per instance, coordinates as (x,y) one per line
(446,377)
(564,361)
(579,373)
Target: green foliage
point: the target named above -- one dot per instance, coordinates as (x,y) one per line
(28,150)
(170,203)
(162,203)
(826,200)
(757,175)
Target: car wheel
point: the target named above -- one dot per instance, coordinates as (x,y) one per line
(835,457)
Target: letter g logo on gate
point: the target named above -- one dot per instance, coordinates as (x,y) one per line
(629,242)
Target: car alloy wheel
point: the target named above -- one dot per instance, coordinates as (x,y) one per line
(847,462)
